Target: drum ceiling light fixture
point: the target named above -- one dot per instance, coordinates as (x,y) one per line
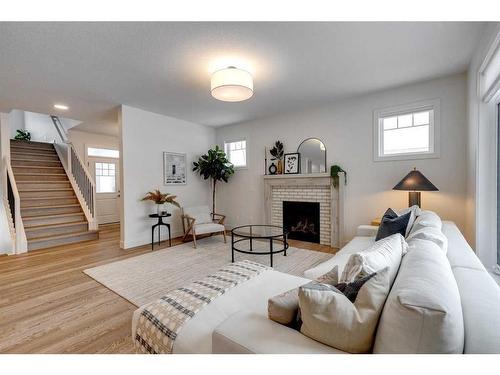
(232,85)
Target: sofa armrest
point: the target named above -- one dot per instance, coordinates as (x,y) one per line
(247,332)
(367,231)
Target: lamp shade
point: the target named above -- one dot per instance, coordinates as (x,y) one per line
(232,85)
(415,181)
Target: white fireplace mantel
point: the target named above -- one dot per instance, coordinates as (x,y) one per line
(312,188)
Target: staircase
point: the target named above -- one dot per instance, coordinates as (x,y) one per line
(50,210)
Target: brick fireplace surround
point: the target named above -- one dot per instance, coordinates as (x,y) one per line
(308,188)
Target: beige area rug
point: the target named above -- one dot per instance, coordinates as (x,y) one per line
(147,277)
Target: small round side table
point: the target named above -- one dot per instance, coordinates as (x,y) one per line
(159,224)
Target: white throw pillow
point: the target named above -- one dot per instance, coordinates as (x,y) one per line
(427,219)
(329,317)
(431,234)
(415,212)
(386,252)
(423,313)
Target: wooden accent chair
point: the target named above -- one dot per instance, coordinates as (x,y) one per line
(199,220)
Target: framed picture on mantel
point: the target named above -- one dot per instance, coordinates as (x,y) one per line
(292,163)
(174,168)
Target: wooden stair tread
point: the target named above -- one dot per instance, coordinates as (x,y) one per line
(38,174)
(43,190)
(48,226)
(45,198)
(47,207)
(35,167)
(50,216)
(61,236)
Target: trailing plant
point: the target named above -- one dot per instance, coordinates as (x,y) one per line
(160,198)
(23,135)
(334,173)
(277,151)
(215,165)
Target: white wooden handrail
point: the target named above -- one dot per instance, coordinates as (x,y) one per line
(21,243)
(79,176)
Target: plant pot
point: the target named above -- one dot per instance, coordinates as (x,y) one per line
(160,208)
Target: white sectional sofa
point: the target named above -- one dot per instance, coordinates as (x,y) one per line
(237,321)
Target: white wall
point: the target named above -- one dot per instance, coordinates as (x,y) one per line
(81,140)
(144,137)
(41,127)
(346,129)
(481,160)
(16,121)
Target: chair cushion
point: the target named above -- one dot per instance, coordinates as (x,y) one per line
(208,228)
(423,313)
(200,213)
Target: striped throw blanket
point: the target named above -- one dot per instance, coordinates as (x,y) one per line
(160,321)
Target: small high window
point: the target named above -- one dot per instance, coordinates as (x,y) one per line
(103,152)
(407,132)
(236,153)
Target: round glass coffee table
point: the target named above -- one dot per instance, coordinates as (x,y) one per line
(273,236)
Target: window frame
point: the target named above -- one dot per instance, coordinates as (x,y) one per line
(434,130)
(246,151)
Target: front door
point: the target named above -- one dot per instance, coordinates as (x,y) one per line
(105,171)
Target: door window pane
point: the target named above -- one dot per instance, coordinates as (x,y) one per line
(105,178)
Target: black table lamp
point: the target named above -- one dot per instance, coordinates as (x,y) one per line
(415,182)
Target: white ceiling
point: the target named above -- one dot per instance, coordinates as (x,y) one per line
(165,67)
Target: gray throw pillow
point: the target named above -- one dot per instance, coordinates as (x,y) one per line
(391,224)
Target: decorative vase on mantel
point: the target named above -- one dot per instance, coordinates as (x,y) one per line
(280,167)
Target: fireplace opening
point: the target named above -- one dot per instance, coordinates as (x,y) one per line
(301,220)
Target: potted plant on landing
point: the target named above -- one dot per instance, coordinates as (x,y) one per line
(277,152)
(22,135)
(160,199)
(215,165)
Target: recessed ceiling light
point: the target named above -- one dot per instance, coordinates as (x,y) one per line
(232,85)
(61,107)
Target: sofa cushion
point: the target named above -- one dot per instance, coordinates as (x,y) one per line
(480,296)
(423,313)
(386,252)
(431,234)
(248,332)
(391,223)
(340,259)
(459,254)
(208,228)
(329,317)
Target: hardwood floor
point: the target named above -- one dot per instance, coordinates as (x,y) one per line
(48,305)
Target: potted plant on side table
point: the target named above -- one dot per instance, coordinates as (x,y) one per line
(160,199)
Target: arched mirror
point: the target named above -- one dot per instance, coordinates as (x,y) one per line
(312,156)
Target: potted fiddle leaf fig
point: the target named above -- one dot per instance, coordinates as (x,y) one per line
(160,199)
(216,166)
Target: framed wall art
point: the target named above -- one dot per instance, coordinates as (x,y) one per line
(174,169)
(292,163)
